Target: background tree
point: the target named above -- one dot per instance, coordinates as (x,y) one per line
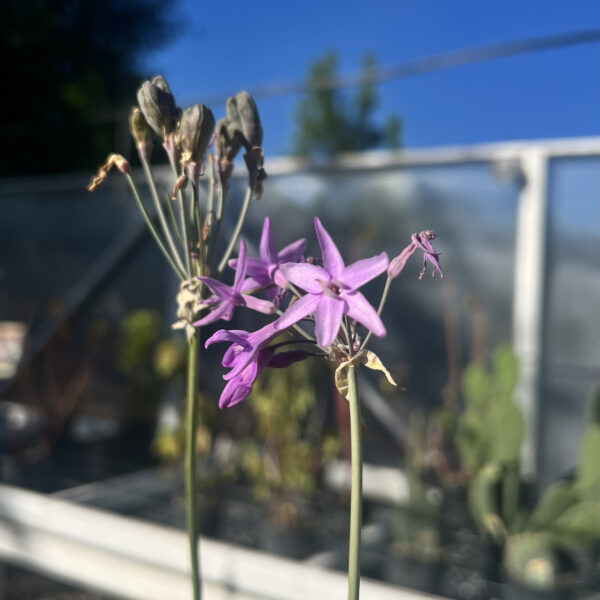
(67,67)
(332,120)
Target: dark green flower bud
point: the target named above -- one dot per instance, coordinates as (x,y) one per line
(195,131)
(158,106)
(243,113)
(141,132)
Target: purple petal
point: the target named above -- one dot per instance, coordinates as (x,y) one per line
(292,252)
(332,259)
(328,318)
(297,311)
(360,310)
(268,250)
(223,311)
(217,287)
(240,272)
(263,306)
(362,271)
(305,276)
(234,392)
(236,336)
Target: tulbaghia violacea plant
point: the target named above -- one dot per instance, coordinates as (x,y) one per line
(326,296)
(187,225)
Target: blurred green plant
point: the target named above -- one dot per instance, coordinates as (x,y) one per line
(489,435)
(416,527)
(284,458)
(329,121)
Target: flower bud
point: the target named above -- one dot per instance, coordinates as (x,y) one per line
(228,140)
(243,113)
(398,263)
(158,106)
(141,132)
(195,131)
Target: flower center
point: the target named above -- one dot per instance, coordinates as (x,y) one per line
(332,288)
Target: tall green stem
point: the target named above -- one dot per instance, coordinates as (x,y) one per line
(237,230)
(190,462)
(356,492)
(152,229)
(160,212)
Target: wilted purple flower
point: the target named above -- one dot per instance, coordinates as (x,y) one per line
(265,270)
(247,357)
(240,387)
(244,348)
(420,241)
(226,298)
(332,290)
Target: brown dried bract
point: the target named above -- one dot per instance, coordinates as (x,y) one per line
(113,160)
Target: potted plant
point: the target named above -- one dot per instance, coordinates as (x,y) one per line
(415,554)
(284,458)
(540,545)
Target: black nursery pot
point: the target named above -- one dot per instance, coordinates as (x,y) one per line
(292,542)
(417,574)
(209,520)
(514,590)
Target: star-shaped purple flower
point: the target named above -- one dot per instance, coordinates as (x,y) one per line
(265,270)
(332,291)
(226,298)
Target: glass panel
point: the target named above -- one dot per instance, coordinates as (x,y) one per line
(572,327)
(368,211)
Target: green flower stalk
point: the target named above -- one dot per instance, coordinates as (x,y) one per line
(189,248)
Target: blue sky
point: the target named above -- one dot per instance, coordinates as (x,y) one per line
(555,93)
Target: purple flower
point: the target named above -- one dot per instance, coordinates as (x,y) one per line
(248,358)
(265,270)
(420,241)
(332,291)
(226,298)
(244,348)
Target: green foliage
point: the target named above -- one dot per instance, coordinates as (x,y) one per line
(140,333)
(559,497)
(417,521)
(491,428)
(483,499)
(284,456)
(531,559)
(588,471)
(330,121)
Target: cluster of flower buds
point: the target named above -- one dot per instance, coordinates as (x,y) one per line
(187,135)
(327,295)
